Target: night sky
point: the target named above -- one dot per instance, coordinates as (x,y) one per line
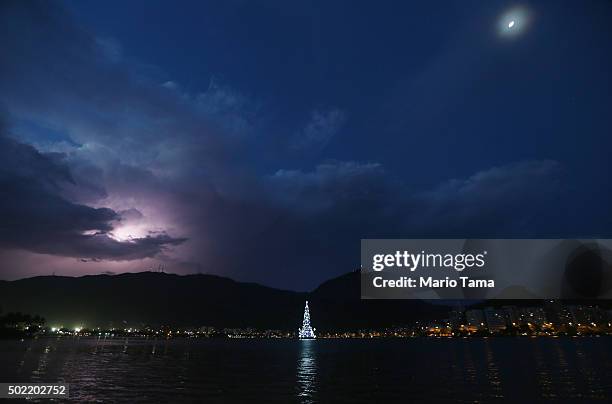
(261,140)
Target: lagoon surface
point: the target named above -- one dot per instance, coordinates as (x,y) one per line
(505,369)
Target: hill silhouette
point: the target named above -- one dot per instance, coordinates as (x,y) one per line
(153,298)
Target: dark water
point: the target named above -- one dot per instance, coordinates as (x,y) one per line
(406,370)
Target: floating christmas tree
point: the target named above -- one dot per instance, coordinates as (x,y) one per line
(306,331)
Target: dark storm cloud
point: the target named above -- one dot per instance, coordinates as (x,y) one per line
(35,216)
(483,202)
(119,112)
(56,73)
(491,203)
(313,220)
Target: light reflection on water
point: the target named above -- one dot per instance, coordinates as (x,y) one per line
(543,374)
(307,371)
(493,372)
(103,369)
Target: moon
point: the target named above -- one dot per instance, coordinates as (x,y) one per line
(513,22)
